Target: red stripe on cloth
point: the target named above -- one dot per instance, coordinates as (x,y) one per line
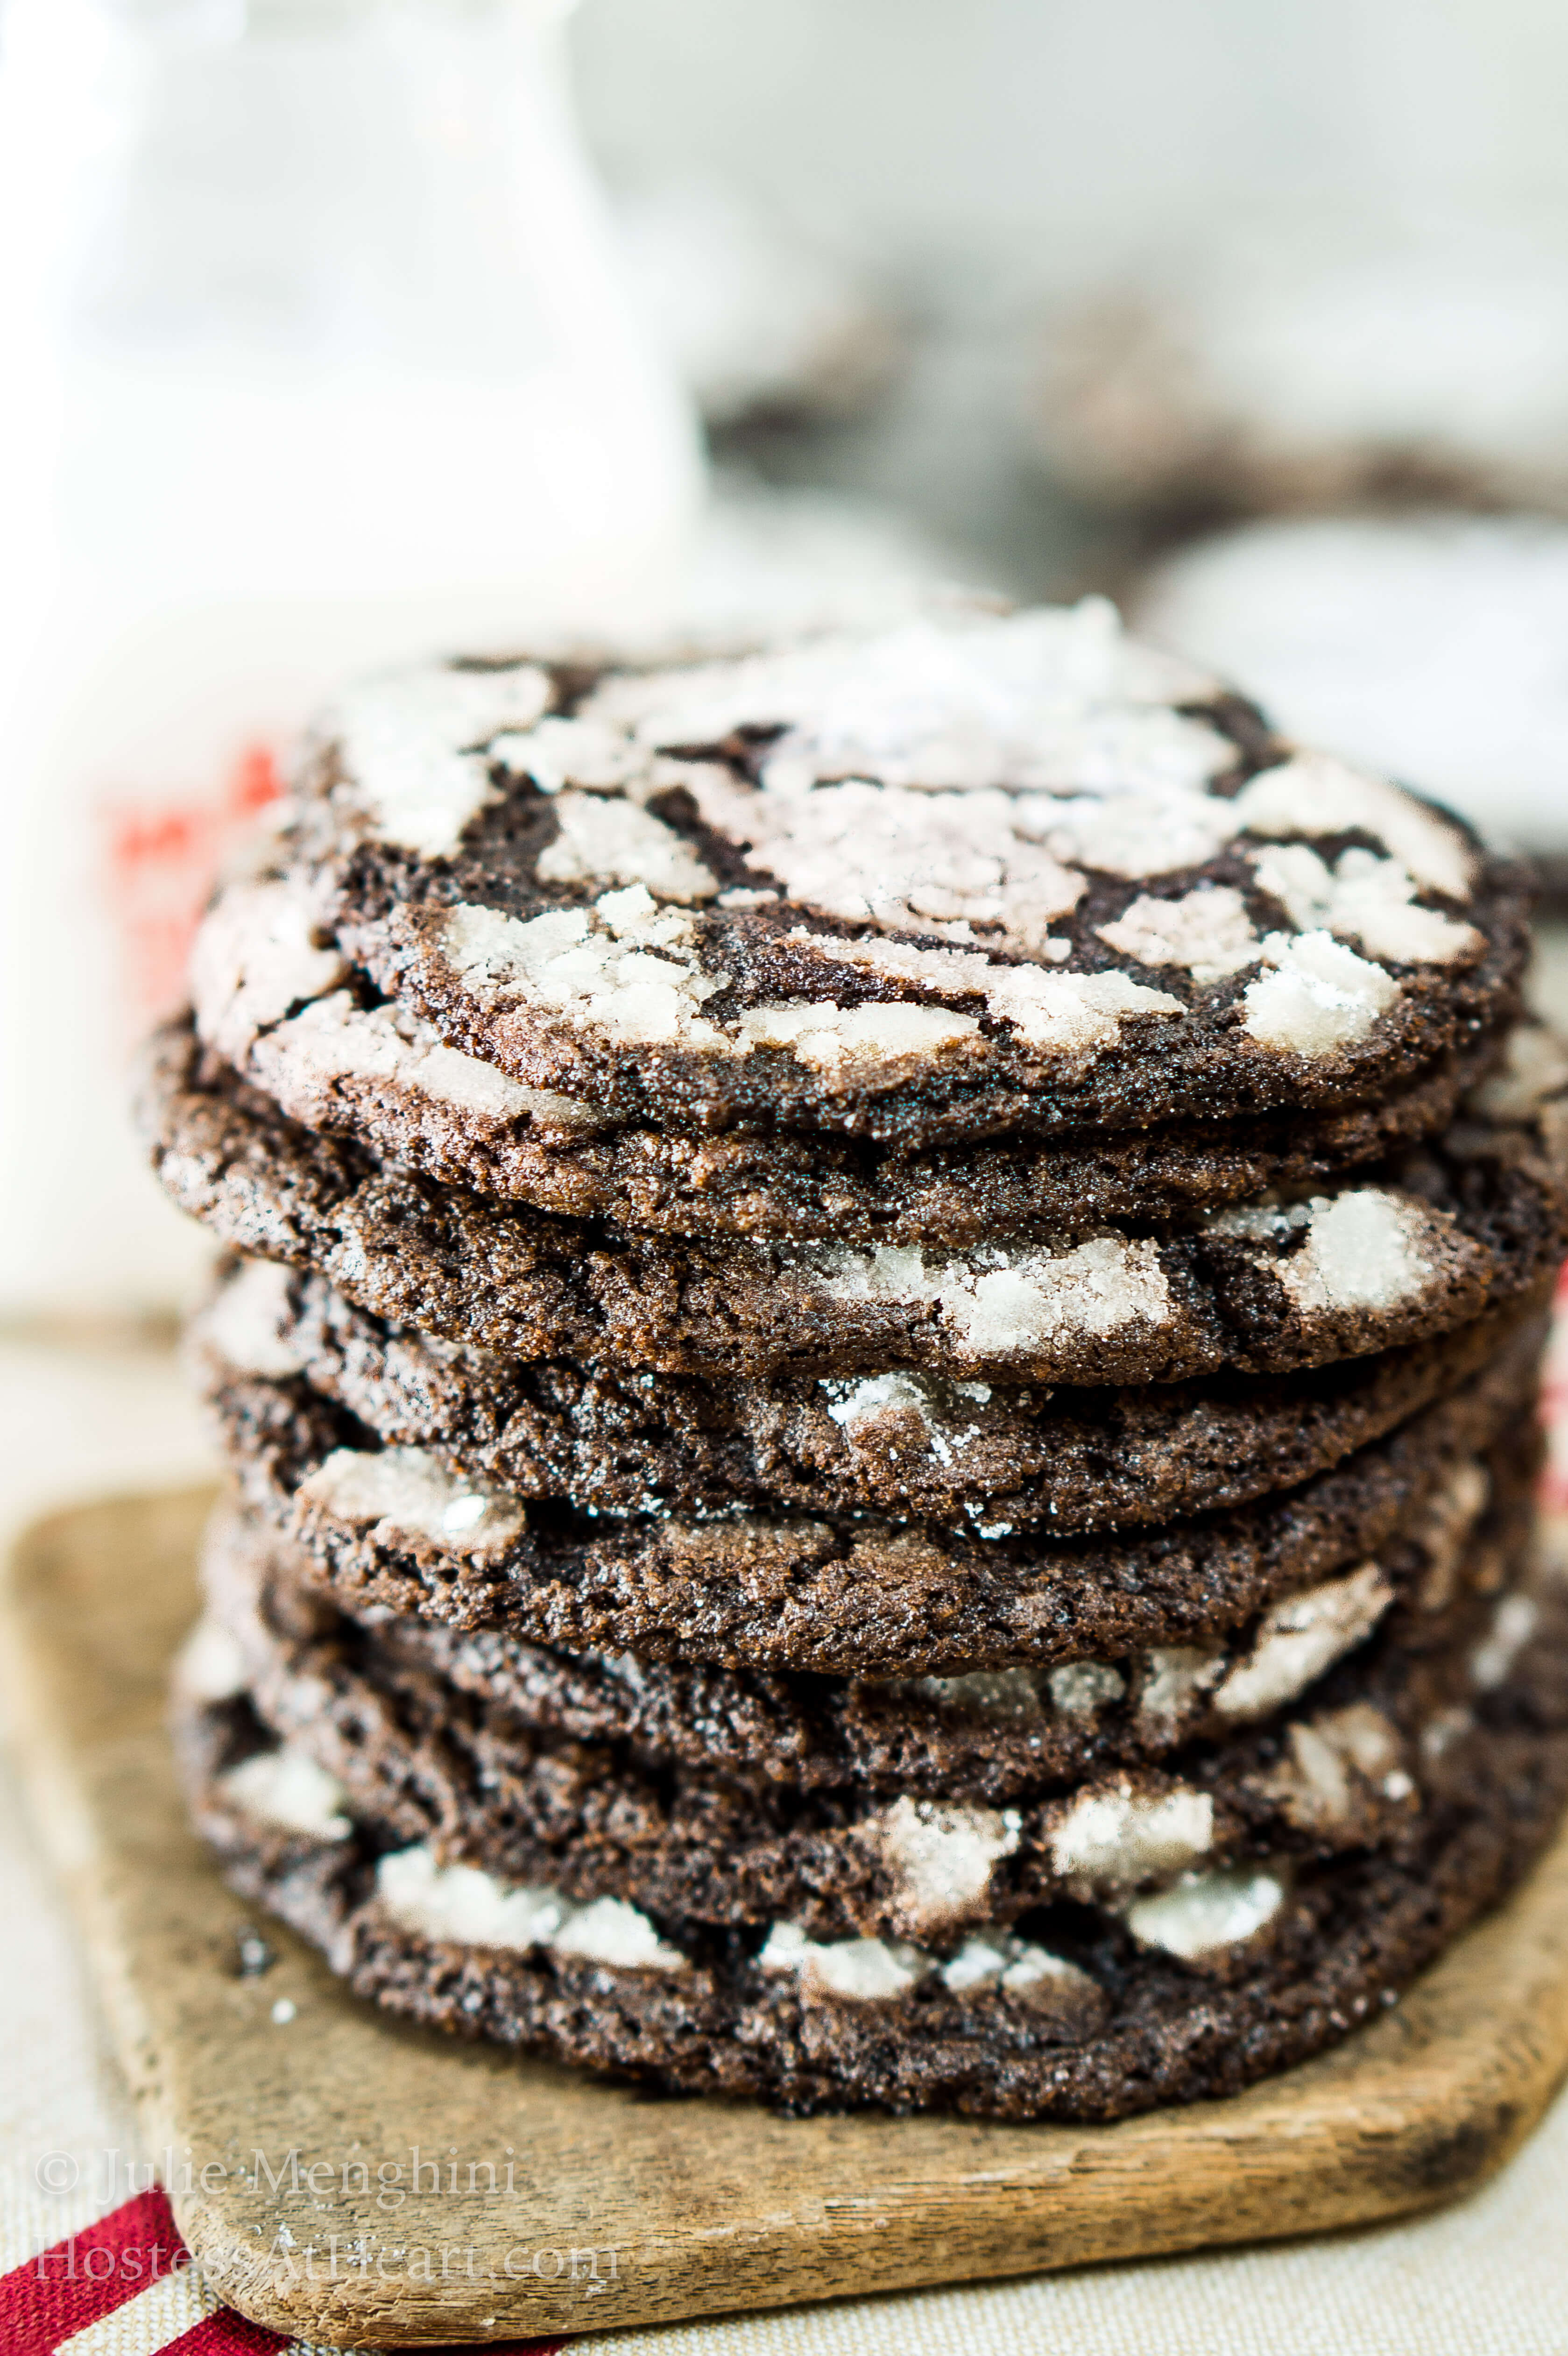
(224,2333)
(66,2287)
(69,2286)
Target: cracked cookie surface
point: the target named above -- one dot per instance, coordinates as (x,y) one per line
(978,875)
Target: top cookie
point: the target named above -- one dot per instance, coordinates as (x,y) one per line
(973,875)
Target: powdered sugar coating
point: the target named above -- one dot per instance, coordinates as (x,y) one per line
(256,959)
(1534,1067)
(880,1042)
(1315,794)
(609,1931)
(630,972)
(1312,1783)
(1133,833)
(1208,931)
(411,746)
(1177,1678)
(605,841)
(875,1395)
(1116,1835)
(1072,1015)
(1203,1913)
(912,781)
(246,1320)
(955,818)
(1002,1302)
(1447,1519)
(287,1788)
(1014,1964)
(1513,1624)
(868,1971)
(1363,1248)
(861,1971)
(626,967)
(1319,998)
(335,1040)
(942,1857)
(209,1665)
(1083,1688)
(907,861)
(1310,1786)
(1069,1013)
(961,702)
(462,1904)
(1362,898)
(1301,1637)
(557,753)
(404,1493)
(255,955)
(870,1410)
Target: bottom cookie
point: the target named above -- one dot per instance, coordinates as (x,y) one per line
(1075,2011)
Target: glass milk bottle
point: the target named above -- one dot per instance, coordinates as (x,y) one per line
(315,359)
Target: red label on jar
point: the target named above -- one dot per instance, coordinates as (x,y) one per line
(162,858)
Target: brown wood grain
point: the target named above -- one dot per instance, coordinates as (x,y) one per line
(620,2209)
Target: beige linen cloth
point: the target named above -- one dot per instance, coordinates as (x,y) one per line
(1487,2278)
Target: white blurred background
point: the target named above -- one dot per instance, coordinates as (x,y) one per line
(969,162)
(1011,145)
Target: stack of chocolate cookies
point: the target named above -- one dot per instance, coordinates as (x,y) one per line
(878,1347)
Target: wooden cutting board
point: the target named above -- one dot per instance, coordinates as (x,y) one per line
(546,2202)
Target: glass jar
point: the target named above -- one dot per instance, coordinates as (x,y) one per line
(316,358)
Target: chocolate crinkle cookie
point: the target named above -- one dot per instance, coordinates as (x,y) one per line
(983,876)
(1295,363)
(879,1309)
